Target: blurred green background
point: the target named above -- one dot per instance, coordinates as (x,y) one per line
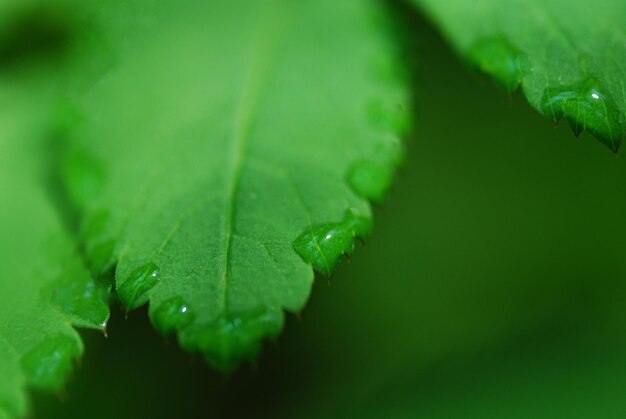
(493,287)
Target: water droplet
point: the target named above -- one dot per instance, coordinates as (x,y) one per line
(323,245)
(234,338)
(499,58)
(370,180)
(172,315)
(586,106)
(133,291)
(47,364)
(84,301)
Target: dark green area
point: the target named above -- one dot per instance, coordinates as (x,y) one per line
(493,287)
(34,35)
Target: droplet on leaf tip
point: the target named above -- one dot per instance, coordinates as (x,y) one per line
(133,291)
(171,315)
(370,180)
(234,338)
(586,107)
(324,245)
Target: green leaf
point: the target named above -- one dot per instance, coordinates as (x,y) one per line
(568,56)
(221,135)
(44,287)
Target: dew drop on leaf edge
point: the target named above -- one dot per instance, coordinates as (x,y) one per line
(370,180)
(323,245)
(232,338)
(134,289)
(586,106)
(172,314)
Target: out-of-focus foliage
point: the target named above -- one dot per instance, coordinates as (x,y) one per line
(44,287)
(569,56)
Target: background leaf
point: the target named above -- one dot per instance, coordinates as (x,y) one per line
(219,137)
(569,56)
(44,287)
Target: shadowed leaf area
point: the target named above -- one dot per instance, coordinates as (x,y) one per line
(34,33)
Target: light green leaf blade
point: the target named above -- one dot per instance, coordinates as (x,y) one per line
(235,144)
(44,287)
(568,56)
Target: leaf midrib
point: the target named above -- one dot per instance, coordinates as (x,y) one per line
(265,39)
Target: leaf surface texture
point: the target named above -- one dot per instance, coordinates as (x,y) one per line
(568,56)
(233,146)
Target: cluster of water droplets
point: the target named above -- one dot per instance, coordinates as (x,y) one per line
(586,106)
(585,103)
(387,115)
